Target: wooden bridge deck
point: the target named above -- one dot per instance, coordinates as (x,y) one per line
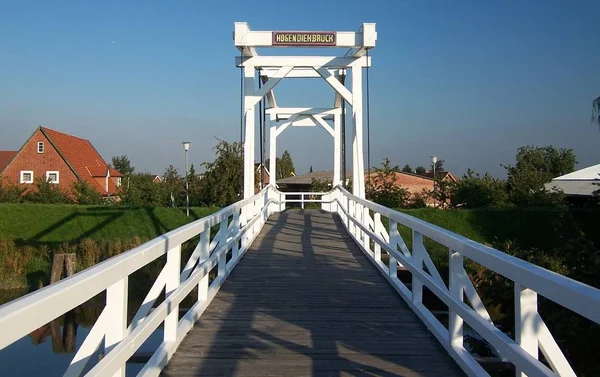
(305,301)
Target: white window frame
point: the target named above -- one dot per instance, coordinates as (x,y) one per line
(25,172)
(40,144)
(53,172)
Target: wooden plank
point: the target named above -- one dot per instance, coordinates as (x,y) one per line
(305,301)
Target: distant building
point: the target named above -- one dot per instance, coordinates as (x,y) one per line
(60,159)
(578,186)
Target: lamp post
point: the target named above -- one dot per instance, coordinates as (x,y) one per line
(186,146)
(434,160)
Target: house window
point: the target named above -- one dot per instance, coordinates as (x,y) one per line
(40,147)
(26,176)
(52,176)
(118,181)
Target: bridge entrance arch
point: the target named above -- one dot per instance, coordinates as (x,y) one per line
(333,69)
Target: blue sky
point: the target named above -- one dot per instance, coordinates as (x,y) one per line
(470,81)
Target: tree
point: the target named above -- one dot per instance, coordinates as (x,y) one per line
(420,170)
(596,111)
(143,191)
(407,169)
(10,193)
(310,170)
(221,184)
(122,165)
(439,166)
(475,191)
(535,167)
(383,189)
(47,193)
(285,167)
(85,194)
(174,187)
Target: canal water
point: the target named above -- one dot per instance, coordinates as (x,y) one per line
(48,350)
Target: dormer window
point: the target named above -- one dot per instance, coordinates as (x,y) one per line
(40,147)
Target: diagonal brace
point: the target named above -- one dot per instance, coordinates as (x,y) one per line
(334,83)
(270,84)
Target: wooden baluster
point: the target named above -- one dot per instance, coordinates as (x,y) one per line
(394,236)
(455,324)
(204,255)
(116,302)
(418,249)
(173,269)
(526,321)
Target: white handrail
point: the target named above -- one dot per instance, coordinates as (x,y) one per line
(529,281)
(23,315)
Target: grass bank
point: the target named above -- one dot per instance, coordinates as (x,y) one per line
(31,233)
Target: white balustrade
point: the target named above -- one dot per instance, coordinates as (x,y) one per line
(21,316)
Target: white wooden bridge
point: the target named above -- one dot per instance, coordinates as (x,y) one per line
(288,292)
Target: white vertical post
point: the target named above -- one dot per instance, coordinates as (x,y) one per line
(418,249)
(282,201)
(337,147)
(272,155)
(204,255)
(377,226)
(394,236)
(173,268)
(526,322)
(249,107)
(235,251)
(455,324)
(358,186)
(302,200)
(116,302)
(222,241)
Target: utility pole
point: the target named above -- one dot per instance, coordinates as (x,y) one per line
(186,146)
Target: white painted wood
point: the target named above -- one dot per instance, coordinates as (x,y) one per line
(392,265)
(327,127)
(303,61)
(457,276)
(551,351)
(116,303)
(335,83)
(358,185)
(526,321)
(269,85)
(90,345)
(173,269)
(377,231)
(337,150)
(367,30)
(249,107)
(417,256)
(273,155)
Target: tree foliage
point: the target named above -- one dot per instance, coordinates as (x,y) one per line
(420,170)
(10,193)
(439,166)
(285,166)
(122,165)
(222,181)
(535,167)
(383,189)
(596,111)
(84,194)
(407,169)
(47,193)
(475,191)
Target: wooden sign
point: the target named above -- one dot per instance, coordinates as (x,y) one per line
(304,38)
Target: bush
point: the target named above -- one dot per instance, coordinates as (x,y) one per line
(10,193)
(47,193)
(474,191)
(84,194)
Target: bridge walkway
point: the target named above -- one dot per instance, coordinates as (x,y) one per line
(305,301)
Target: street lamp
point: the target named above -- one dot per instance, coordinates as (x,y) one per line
(434,160)
(186,146)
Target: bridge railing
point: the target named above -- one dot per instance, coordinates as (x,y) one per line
(238,225)
(364,220)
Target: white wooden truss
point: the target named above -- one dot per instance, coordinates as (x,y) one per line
(333,69)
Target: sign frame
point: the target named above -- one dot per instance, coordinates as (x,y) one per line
(332,34)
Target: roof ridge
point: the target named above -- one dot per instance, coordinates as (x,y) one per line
(63,133)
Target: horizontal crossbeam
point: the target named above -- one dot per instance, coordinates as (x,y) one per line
(303,61)
(301,72)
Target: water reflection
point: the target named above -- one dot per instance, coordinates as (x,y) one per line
(48,350)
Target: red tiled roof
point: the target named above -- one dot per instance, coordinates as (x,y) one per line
(83,158)
(5,157)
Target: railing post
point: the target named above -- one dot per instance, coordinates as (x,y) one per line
(116,302)
(236,229)
(455,324)
(204,255)
(302,200)
(173,269)
(526,322)
(282,202)
(377,231)
(417,257)
(222,241)
(394,236)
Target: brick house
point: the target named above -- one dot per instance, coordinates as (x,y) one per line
(61,159)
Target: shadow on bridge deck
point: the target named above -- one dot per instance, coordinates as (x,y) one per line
(305,301)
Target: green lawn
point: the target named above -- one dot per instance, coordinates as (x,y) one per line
(49,224)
